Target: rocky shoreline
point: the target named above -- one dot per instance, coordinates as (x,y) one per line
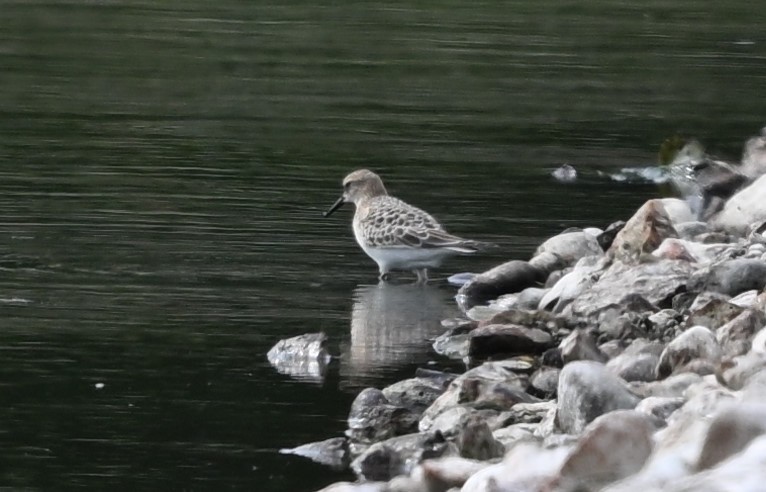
(632,358)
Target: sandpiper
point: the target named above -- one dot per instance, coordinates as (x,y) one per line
(396,235)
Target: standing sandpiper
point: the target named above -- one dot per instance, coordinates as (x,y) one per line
(396,235)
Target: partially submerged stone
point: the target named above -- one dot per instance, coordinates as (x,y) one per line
(303,357)
(330,452)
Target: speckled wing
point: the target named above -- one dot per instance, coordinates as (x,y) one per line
(393,223)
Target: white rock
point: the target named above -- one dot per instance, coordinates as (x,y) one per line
(744,208)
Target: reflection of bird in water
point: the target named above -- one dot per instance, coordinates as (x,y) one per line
(390,327)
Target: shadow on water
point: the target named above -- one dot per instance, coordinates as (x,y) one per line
(390,328)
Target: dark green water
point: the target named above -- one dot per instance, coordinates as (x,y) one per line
(163,166)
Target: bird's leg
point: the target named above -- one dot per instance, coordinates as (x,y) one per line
(422,274)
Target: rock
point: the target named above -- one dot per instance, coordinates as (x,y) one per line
(638,362)
(572,284)
(490,340)
(460,279)
(450,421)
(744,208)
(659,407)
(613,326)
(745,472)
(606,238)
(678,211)
(356,487)
(373,418)
(475,441)
(564,174)
(713,313)
(303,357)
(730,432)
(512,276)
(399,455)
(530,297)
(689,230)
(440,474)
(415,394)
(331,452)
(485,382)
(548,263)
(612,348)
(673,387)
(453,343)
(695,343)
(731,277)
(735,337)
(664,320)
(527,466)
(511,435)
(674,249)
(571,246)
(586,390)
(643,233)
(544,382)
(657,282)
(580,345)
(529,413)
(612,447)
(737,372)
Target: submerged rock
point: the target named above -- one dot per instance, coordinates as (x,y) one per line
(303,357)
(586,390)
(330,452)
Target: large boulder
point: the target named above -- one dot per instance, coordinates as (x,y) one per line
(512,276)
(744,208)
(643,233)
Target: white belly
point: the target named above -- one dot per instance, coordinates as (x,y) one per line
(403,258)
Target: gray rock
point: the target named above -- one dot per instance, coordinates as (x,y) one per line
(453,343)
(735,337)
(643,233)
(571,246)
(442,474)
(356,487)
(373,418)
(399,455)
(564,174)
(688,230)
(460,279)
(511,435)
(656,282)
(587,390)
(475,440)
(331,452)
(415,394)
(530,297)
(580,345)
(731,277)
(302,357)
(548,263)
(612,447)
(490,340)
(606,238)
(544,382)
(673,387)
(697,342)
(488,382)
(712,312)
(634,366)
(737,372)
(572,284)
(731,430)
(512,276)
(660,407)
(744,208)
(664,320)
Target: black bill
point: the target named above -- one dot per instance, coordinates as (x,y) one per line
(335,206)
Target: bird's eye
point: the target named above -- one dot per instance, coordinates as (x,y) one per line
(347,185)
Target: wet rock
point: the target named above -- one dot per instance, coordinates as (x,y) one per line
(489,340)
(660,407)
(399,455)
(697,342)
(735,337)
(587,390)
(572,284)
(453,343)
(730,432)
(512,276)
(571,246)
(544,382)
(530,297)
(460,279)
(643,233)
(440,378)
(480,383)
(373,418)
(548,263)
(330,452)
(744,208)
(541,320)
(657,282)
(612,447)
(441,474)
(580,345)
(606,238)
(415,394)
(712,313)
(731,277)
(565,174)
(303,357)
